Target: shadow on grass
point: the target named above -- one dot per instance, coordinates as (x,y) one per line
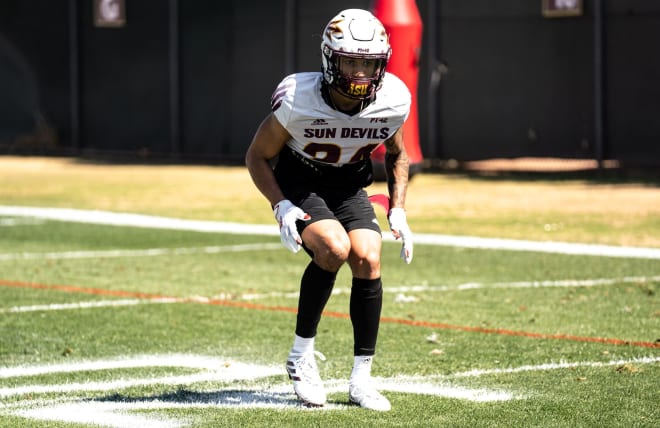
(224,398)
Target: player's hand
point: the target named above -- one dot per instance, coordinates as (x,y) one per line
(286,215)
(399,226)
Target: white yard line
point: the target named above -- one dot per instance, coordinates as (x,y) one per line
(539,367)
(240,372)
(528,284)
(215,369)
(538,246)
(22,221)
(399,290)
(139,220)
(189,361)
(100,414)
(118,413)
(475,286)
(148,252)
(86,305)
(337,291)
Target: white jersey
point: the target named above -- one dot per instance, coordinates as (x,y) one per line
(323,134)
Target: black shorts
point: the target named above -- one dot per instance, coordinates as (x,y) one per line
(352,209)
(327,192)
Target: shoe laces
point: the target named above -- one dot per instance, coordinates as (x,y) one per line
(307,357)
(307,364)
(365,388)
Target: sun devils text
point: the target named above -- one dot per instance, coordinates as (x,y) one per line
(366,133)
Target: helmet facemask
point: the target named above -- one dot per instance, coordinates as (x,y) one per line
(358,35)
(349,85)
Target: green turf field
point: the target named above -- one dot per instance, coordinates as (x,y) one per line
(151,327)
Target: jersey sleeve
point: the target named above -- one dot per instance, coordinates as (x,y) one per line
(399,96)
(281,102)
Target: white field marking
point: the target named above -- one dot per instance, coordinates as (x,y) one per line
(86,305)
(211,369)
(149,252)
(528,284)
(475,286)
(171,360)
(110,413)
(534,368)
(104,414)
(116,385)
(214,370)
(23,221)
(117,413)
(337,291)
(446,391)
(422,386)
(537,246)
(139,220)
(219,369)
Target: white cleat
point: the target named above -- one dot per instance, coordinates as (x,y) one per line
(364,395)
(307,383)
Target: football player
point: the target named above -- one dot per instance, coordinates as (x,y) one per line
(319,136)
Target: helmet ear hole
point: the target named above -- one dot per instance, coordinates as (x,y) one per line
(357,34)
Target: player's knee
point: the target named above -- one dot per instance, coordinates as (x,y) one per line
(333,255)
(365,265)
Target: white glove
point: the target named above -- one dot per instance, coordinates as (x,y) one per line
(399,226)
(286,215)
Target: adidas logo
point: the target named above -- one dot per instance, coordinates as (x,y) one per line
(319,122)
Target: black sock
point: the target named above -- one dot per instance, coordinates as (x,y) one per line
(366,304)
(315,289)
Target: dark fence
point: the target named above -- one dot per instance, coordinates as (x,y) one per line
(192,80)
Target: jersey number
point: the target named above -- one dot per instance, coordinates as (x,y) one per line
(331,153)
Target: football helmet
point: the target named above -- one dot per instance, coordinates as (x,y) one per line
(358,34)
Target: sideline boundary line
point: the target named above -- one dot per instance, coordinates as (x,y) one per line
(389,320)
(157,222)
